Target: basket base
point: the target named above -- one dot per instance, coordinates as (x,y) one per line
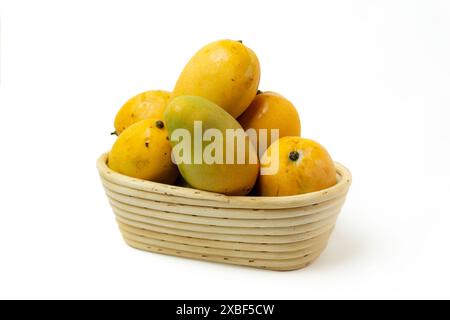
(274,265)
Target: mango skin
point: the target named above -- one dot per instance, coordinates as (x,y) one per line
(230,179)
(148,104)
(270,110)
(314,169)
(143,151)
(225,72)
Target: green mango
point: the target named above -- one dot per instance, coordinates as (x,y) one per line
(210,147)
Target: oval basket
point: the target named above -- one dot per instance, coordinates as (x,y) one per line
(276,233)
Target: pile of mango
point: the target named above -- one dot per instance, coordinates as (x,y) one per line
(219,89)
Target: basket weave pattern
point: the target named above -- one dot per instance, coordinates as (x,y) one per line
(276,233)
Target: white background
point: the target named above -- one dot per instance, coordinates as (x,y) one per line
(371,80)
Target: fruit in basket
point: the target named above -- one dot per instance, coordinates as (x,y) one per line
(143,151)
(303,166)
(225,72)
(148,104)
(209,159)
(269,111)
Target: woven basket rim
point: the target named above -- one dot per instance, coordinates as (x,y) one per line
(344,178)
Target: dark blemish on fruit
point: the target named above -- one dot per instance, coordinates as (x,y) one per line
(240,41)
(159,124)
(146,144)
(232,79)
(294,155)
(167,138)
(132,115)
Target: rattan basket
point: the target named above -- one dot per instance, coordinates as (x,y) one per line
(276,233)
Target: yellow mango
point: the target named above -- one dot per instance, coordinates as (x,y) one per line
(303,166)
(148,104)
(143,151)
(270,110)
(225,72)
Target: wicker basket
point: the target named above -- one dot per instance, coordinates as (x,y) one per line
(276,233)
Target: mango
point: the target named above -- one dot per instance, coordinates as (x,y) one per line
(225,72)
(303,166)
(211,149)
(270,110)
(148,104)
(143,151)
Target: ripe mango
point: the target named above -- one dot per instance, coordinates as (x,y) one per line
(143,151)
(270,110)
(303,166)
(225,72)
(210,162)
(148,104)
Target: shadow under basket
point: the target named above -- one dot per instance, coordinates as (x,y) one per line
(276,233)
